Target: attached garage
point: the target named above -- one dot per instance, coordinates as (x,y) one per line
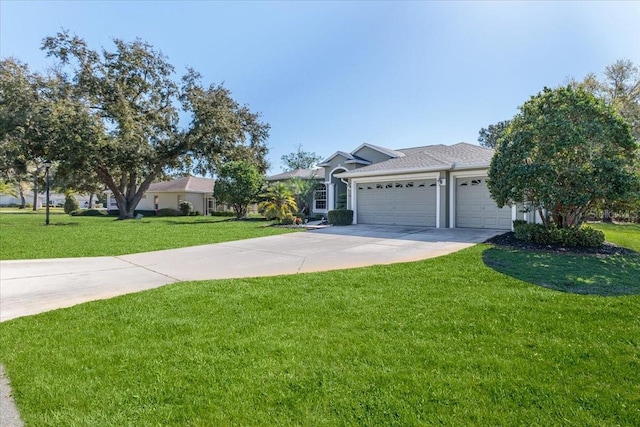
(398,202)
(475,208)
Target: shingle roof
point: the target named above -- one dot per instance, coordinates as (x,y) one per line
(430,157)
(316,173)
(188,184)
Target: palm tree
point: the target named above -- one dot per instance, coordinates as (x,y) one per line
(279,202)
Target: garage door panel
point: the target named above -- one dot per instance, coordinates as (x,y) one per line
(475,208)
(397,203)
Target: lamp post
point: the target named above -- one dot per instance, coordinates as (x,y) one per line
(47,165)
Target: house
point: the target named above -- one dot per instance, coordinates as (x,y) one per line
(169,194)
(55,199)
(319,205)
(434,186)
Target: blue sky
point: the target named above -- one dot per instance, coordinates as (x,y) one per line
(331,75)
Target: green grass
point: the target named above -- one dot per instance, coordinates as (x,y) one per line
(581,274)
(442,341)
(23,235)
(627,235)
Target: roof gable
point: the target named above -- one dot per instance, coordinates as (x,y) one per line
(383,150)
(348,157)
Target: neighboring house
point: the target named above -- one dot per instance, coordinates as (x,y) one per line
(55,199)
(319,205)
(435,186)
(169,194)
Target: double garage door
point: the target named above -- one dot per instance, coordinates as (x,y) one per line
(397,202)
(414,203)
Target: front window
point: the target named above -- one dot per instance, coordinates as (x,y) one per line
(320,197)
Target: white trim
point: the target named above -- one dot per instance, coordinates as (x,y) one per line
(331,196)
(399,177)
(438,202)
(514,215)
(470,167)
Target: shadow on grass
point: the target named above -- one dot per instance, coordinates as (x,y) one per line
(212,221)
(613,275)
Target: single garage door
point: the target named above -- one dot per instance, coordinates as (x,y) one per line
(476,209)
(397,203)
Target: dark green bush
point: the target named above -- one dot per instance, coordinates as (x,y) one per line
(70,205)
(517,222)
(538,233)
(89,212)
(288,220)
(584,236)
(223,213)
(185,207)
(302,216)
(168,212)
(340,217)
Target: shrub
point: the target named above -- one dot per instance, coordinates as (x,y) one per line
(185,207)
(538,233)
(288,220)
(517,222)
(301,215)
(340,217)
(223,213)
(89,212)
(168,212)
(584,236)
(71,205)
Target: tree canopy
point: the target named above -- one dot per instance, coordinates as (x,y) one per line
(563,153)
(238,185)
(300,159)
(118,114)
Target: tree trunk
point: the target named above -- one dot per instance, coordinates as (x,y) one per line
(23,201)
(90,200)
(606,216)
(35,194)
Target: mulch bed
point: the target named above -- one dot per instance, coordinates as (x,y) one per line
(508,240)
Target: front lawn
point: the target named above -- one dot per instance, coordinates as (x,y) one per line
(442,341)
(24,236)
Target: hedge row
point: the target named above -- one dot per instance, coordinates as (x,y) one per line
(538,233)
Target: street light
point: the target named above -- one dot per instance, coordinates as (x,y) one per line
(47,165)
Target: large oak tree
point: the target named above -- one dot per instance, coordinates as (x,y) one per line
(118,115)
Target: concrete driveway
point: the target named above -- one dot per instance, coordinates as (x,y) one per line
(35,286)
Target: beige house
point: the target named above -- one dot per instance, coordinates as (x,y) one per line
(432,186)
(169,194)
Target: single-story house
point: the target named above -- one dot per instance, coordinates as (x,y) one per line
(169,194)
(442,186)
(55,199)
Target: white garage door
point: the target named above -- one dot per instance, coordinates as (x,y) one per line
(475,208)
(397,203)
